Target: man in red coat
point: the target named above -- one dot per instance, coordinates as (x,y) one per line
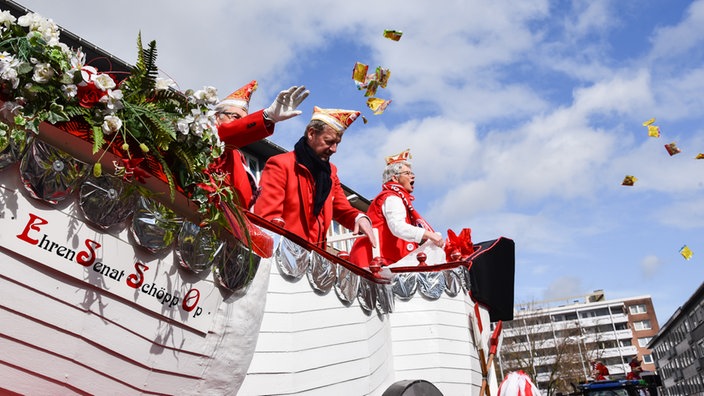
(237,129)
(301,187)
(401,228)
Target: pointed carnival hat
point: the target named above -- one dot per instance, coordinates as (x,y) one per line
(240,98)
(338,119)
(404,155)
(518,383)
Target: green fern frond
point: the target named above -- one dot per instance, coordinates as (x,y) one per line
(179,100)
(169,176)
(184,157)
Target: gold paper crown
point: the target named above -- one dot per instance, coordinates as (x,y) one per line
(338,119)
(240,98)
(404,155)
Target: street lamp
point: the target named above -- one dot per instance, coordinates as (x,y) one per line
(581,356)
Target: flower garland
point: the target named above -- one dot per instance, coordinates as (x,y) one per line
(137,116)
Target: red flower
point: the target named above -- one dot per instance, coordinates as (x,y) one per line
(88,95)
(133,171)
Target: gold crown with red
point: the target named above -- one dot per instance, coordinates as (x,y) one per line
(337,119)
(240,98)
(404,155)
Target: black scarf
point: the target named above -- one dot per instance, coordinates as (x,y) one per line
(319,169)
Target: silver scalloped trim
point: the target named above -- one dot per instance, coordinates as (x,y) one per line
(291,259)
(321,273)
(405,285)
(367,295)
(431,284)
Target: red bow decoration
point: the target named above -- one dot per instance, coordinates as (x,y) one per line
(459,247)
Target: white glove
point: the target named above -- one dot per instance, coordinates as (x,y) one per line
(284,107)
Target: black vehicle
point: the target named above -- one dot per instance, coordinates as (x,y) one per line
(618,388)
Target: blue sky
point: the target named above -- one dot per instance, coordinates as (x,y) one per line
(522,117)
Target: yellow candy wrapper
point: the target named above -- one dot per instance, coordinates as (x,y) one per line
(686,252)
(629,180)
(699,156)
(378,105)
(649,122)
(359,73)
(394,35)
(672,149)
(653,131)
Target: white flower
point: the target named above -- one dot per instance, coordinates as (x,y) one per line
(184,125)
(113,101)
(41,26)
(164,83)
(87,73)
(111,124)
(104,82)
(42,73)
(6,18)
(207,95)
(69,90)
(8,69)
(78,61)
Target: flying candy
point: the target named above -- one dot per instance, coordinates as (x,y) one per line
(686,252)
(699,156)
(653,130)
(672,149)
(629,180)
(394,35)
(377,105)
(359,73)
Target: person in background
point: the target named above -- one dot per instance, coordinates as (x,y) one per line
(237,129)
(599,371)
(401,228)
(300,189)
(636,369)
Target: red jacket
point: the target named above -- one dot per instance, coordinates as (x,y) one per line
(236,134)
(391,247)
(287,193)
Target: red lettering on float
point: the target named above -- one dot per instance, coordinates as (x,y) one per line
(87,258)
(190,300)
(32,225)
(135,280)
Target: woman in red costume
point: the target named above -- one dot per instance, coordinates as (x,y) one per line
(401,228)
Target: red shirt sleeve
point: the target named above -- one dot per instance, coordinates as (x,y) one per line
(241,132)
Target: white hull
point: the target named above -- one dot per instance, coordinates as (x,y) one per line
(68,330)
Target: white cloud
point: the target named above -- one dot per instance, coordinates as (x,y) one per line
(563,288)
(650,265)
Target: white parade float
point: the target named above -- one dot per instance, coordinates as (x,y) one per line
(105,294)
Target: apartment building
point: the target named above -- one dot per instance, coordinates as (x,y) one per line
(556,341)
(678,348)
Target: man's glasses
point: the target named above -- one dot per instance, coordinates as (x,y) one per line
(231,114)
(407,173)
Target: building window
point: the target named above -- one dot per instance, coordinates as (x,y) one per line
(642,325)
(637,309)
(648,359)
(253,163)
(643,341)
